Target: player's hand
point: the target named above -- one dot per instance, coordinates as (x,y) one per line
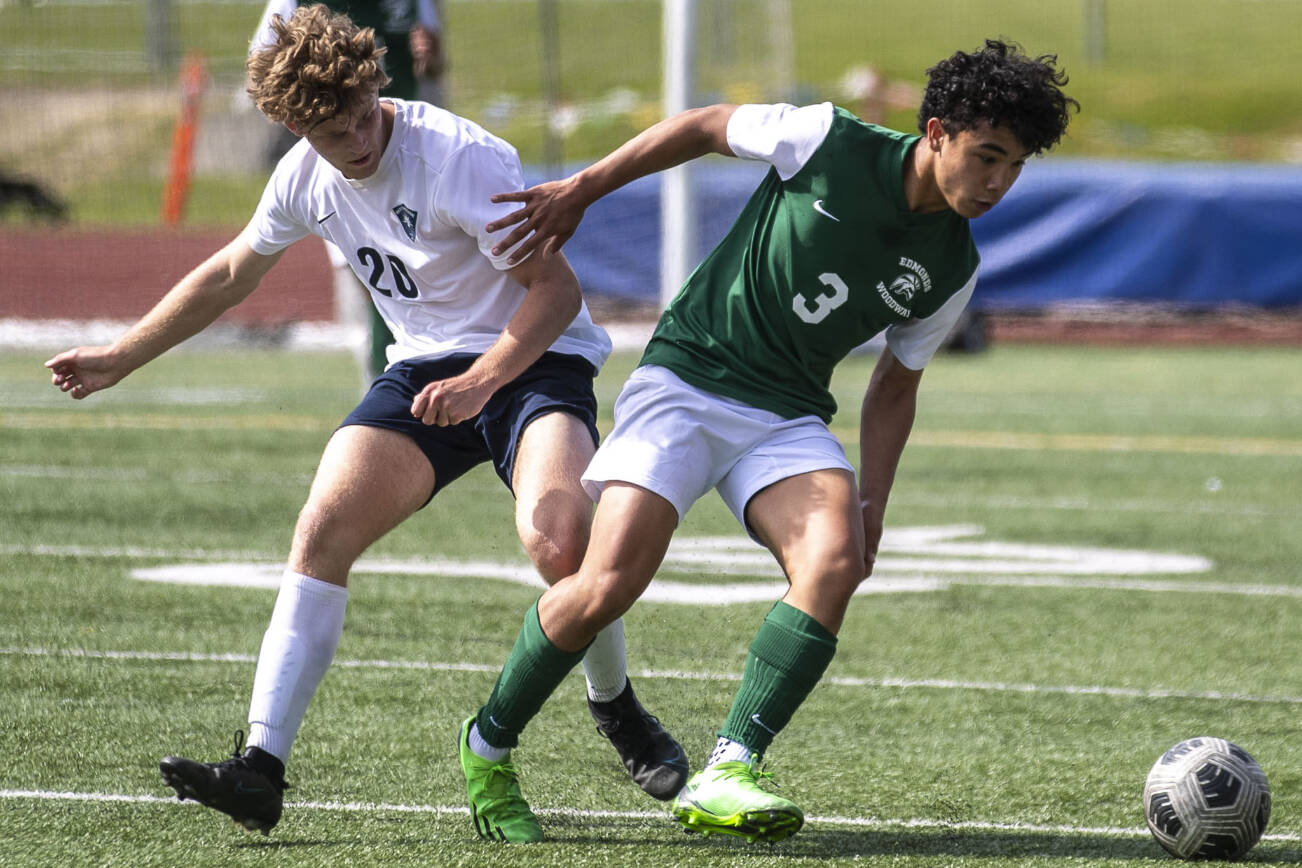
(426,52)
(551,211)
(872,534)
(451,401)
(84,371)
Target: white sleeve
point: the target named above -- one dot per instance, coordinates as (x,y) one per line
(468,178)
(274,226)
(781,134)
(915,341)
(262,36)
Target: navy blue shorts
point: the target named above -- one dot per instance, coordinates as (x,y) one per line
(556,382)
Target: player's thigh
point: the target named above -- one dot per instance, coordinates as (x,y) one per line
(368,481)
(813,524)
(553,451)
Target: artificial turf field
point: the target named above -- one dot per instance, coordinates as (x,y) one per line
(1091,554)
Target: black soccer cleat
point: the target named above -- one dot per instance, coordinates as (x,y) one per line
(654,760)
(232,786)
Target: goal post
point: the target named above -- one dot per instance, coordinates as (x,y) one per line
(677,205)
(713,51)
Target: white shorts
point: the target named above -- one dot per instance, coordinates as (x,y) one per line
(679,442)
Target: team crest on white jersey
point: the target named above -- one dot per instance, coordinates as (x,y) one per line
(905,287)
(407,218)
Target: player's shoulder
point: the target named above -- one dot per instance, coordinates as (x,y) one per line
(437,134)
(845,123)
(297,169)
(852,143)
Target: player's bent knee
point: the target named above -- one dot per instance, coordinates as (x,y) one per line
(606,597)
(556,552)
(320,534)
(834,579)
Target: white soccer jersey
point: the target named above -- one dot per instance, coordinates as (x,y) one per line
(414,233)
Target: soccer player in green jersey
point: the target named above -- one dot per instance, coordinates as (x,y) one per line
(855,230)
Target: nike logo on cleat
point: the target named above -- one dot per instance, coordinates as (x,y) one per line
(240,788)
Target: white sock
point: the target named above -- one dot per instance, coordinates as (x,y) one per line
(296,650)
(483,749)
(727,750)
(605,665)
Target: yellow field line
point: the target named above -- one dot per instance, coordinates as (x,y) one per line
(1099,442)
(1028,441)
(164,422)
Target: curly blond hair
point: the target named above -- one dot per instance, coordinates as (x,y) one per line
(320,64)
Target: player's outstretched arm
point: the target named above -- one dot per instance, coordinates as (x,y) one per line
(552,211)
(221,282)
(885,421)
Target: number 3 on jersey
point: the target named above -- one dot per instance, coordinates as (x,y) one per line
(372,259)
(825,302)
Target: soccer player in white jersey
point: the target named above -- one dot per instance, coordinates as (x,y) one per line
(855,229)
(493,361)
(410,32)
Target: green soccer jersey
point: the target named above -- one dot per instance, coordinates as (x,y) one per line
(392,21)
(823,257)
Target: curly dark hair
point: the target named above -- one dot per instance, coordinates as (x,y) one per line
(1003,87)
(320,64)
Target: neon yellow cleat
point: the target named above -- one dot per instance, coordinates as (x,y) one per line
(497,806)
(728,799)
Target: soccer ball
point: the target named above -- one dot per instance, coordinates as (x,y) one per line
(1205,798)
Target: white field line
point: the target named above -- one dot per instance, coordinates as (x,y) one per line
(461,810)
(443,810)
(79,551)
(682,675)
(914,560)
(1209,505)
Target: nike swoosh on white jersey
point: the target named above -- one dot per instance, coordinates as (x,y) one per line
(818,206)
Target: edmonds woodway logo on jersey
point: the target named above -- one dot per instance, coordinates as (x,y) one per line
(407,218)
(905,287)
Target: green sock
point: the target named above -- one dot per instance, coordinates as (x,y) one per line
(787,658)
(532,673)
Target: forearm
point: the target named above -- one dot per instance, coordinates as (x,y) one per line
(886,420)
(551,211)
(188,308)
(550,304)
(671,142)
(883,431)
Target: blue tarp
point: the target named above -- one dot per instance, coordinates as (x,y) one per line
(1070,231)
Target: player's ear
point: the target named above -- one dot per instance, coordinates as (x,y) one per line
(935,133)
(289,125)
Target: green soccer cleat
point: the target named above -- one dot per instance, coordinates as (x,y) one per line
(497,806)
(727,798)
